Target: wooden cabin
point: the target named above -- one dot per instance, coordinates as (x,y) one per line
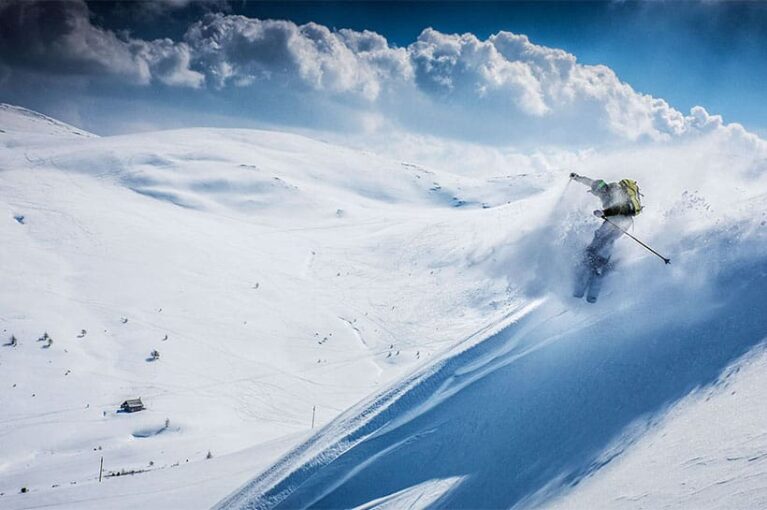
(132,405)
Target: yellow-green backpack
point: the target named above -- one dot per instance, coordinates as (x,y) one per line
(631,188)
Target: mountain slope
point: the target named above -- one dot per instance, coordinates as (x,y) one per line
(558,394)
(708,453)
(21,126)
(274,274)
(530,410)
(421,320)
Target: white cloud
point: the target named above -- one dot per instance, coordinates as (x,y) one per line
(512,88)
(168,62)
(465,66)
(59,37)
(500,90)
(242,51)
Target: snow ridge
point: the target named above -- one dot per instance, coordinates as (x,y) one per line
(19,119)
(366,421)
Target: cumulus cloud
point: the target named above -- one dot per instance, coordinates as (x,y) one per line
(540,87)
(242,51)
(464,65)
(168,62)
(502,89)
(517,86)
(59,37)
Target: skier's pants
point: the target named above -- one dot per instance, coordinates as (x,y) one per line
(601,246)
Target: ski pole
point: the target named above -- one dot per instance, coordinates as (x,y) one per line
(666,260)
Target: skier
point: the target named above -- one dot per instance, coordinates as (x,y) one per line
(620,203)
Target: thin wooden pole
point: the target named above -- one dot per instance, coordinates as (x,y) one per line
(101,468)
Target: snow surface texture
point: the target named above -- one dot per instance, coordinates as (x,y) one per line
(717,469)
(277,274)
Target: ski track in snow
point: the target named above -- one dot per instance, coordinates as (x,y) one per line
(356,330)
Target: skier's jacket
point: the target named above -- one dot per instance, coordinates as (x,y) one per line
(618,198)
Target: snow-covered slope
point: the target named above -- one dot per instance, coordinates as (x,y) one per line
(555,391)
(549,399)
(21,126)
(421,319)
(709,452)
(274,274)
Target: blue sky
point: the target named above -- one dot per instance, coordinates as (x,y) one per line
(688,53)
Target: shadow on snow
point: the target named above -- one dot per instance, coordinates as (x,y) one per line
(528,411)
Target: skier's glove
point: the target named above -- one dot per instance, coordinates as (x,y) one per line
(573,175)
(599,213)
